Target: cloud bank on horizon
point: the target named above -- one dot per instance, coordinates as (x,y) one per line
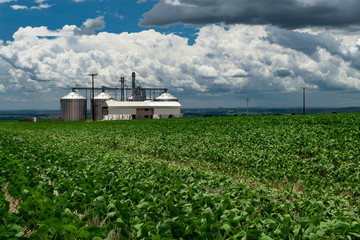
(224,59)
(290,14)
(253,50)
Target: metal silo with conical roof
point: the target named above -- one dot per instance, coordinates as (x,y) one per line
(73,107)
(98,102)
(166,97)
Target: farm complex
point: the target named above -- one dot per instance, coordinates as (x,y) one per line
(269,177)
(141,103)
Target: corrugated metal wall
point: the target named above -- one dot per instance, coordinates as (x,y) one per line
(73,109)
(98,109)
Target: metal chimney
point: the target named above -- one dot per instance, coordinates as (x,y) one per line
(133,80)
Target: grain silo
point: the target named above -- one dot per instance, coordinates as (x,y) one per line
(166,97)
(73,107)
(98,102)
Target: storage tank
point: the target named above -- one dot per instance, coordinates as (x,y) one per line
(73,107)
(167,97)
(98,102)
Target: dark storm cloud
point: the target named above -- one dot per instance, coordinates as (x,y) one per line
(288,14)
(90,26)
(304,42)
(309,43)
(282,73)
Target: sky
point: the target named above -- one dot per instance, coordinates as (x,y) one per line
(208,53)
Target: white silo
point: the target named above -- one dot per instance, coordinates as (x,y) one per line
(98,102)
(168,106)
(166,97)
(73,107)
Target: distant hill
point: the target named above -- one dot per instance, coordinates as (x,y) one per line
(189,112)
(19,114)
(215,112)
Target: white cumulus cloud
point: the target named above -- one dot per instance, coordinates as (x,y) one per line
(223,60)
(41,6)
(206,71)
(18,7)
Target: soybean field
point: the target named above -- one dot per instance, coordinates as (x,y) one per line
(268,177)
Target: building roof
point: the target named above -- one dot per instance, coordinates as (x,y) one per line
(144,104)
(103,95)
(166,97)
(73,95)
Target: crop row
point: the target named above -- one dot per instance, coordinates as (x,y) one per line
(314,150)
(110,179)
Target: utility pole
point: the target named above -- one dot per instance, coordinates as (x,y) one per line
(92,96)
(247,106)
(303,100)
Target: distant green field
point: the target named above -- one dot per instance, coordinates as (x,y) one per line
(269,177)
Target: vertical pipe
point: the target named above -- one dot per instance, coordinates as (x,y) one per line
(122,79)
(133,76)
(92,100)
(92,95)
(133,85)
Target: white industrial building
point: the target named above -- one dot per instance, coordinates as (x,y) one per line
(142,103)
(164,106)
